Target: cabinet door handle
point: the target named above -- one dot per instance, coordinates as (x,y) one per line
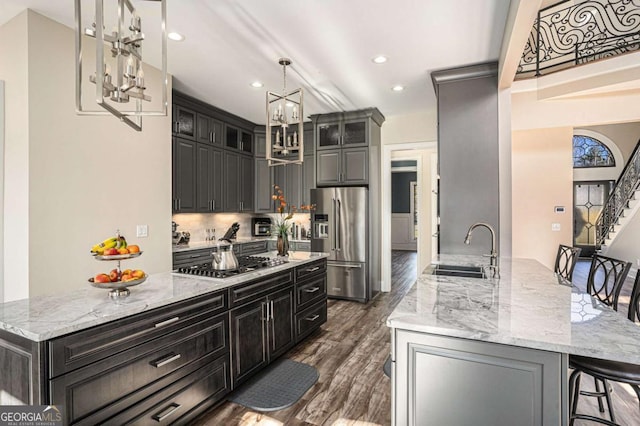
(214,137)
(313,318)
(161,415)
(167,322)
(341,139)
(266,315)
(311,290)
(179,203)
(211,137)
(271,303)
(312,269)
(213,204)
(165,360)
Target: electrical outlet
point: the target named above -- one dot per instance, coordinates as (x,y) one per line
(142,231)
(555,226)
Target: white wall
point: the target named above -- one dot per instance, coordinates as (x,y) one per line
(1,190)
(415,127)
(14,71)
(542,179)
(75,179)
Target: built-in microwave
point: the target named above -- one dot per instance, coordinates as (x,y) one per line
(261,226)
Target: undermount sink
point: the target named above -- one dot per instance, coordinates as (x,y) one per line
(459,271)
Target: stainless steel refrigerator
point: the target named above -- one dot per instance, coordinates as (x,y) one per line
(340,226)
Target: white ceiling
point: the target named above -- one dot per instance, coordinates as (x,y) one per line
(231,43)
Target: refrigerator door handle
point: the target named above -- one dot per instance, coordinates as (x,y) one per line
(335,221)
(338,226)
(346,265)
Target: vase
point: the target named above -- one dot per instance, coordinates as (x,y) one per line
(283,245)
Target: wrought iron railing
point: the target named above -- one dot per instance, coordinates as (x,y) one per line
(567,34)
(619,198)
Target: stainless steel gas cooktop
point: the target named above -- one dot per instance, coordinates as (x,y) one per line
(246,264)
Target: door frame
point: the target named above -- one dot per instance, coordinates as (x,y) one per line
(423,228)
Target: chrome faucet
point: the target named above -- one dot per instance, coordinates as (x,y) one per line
(493,263)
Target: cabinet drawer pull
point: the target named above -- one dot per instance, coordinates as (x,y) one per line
(160,416)
(313,318)
(312,269)
(167,322)
(311,290)
(166,360)
(193,256)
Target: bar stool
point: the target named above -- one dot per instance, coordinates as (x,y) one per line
(566,261)
(602,370)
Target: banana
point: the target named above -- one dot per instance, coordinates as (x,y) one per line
(121,242)
(108,243)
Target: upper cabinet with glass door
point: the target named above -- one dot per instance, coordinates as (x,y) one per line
(345,130)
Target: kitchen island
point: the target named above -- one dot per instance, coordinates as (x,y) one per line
(495,351)
(172,349)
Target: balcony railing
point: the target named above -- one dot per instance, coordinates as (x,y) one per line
(618,201)
(568,34)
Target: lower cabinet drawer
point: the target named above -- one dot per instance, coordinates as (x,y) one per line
(93,388)
(254,247)
(310,319)
(311,291)
(183,400)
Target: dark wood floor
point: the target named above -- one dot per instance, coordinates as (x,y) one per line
(349,353)
(625,401)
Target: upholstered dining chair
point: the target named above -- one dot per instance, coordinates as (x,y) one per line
(603,370)
(566,261)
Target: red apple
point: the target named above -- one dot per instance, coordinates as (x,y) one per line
(110,251)
(114,275)
(102,278)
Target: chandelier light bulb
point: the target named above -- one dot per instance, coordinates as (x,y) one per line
(140,78)
(131,66)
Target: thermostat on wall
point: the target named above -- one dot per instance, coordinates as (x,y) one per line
(558,209)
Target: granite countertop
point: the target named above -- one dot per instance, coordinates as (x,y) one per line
(45,317)
(525,307)
(209,244)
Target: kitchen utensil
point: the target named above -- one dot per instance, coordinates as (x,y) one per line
(224,258)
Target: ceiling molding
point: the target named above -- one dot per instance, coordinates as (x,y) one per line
(469,72)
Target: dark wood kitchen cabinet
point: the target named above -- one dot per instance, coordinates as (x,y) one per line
(348,147)
(238,182)
(184,175)
(172,363)
(184,123)
(209,130)
(209,178)
(263,329)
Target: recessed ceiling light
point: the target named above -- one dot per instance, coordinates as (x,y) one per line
(175,36)
(380,59)
(256,84)
(397,88)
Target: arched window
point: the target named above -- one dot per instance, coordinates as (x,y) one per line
(590,152)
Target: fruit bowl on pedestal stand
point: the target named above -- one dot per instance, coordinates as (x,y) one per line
(118,289)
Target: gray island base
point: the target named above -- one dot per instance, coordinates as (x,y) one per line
(170,351)
(468,351)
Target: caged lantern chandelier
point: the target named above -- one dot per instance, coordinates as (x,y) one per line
(124,81)
(284,124)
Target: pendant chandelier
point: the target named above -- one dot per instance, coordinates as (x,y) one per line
(119,79)
(284,128)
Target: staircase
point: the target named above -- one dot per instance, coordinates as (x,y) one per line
(622,205)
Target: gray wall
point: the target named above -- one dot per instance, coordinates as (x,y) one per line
(401,191)
(468,156)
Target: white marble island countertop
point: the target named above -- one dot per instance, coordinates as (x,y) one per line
(45,317)
(525,307)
